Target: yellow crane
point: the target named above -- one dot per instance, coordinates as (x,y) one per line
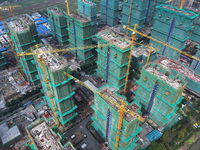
(41,62)
(67,7)
(182,2)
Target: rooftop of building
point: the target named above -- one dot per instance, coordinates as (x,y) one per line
(115,39)
(168,63)
(20,23)
(88,2)
(158,71)
(139,51)
(52,60)
(110,92)
(178,10)
(56,10)
(8,134)
(80,17)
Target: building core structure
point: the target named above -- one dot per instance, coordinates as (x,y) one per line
(24,35)
(106,118)
(56,86)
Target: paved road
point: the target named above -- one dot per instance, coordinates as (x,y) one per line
(92,143)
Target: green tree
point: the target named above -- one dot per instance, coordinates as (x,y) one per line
(181,133)
(20,104)
(166,135)
(7,104)
(178,126)
(157,146)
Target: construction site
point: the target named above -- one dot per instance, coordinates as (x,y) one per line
(110,74)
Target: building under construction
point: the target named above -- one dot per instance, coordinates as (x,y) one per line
(89,9)
(159,92)
(113,58)
(58,24)
(56,86)
(45,134)
(24,35)
(79,28)
(106,118)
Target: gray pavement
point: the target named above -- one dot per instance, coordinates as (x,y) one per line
(92,143)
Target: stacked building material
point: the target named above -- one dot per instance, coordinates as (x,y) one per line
(113,59)
(106,115)
(24,35)
(89,9)
(159,92)
(109,12)
(56,86)
(79,27)
(58,24)
(172,26)
(140,55)
(192,77)
(134,12)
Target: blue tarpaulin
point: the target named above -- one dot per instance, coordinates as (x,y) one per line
(154,135)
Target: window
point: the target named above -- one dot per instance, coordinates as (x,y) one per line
(145,79)
(167,93)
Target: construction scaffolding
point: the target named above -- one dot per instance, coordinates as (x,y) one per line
(45,134)
(58,24)
(172,26)
(56,86)
(107,114)
(89,9)
(113,60)
(109,12)
(176,67)
(2,62)
(23,33)
(79,27)
(159,88)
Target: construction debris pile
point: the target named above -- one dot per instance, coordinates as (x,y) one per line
(139,51)
(18,77)
(172,64)
(56,11)
(176,83)
(6,88)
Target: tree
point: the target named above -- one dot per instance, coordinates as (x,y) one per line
(7,104)
(20,104)
(178,126)
(166,135)
(181,133)
(157,146)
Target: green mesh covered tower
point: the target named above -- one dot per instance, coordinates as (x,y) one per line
(173,26)
(79,28)
(24,35)
(113,59)
(110,12)
(133,15)
(159,92)
(58,24)
(196,32)
(88,8)
(106,120)
(60,85)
